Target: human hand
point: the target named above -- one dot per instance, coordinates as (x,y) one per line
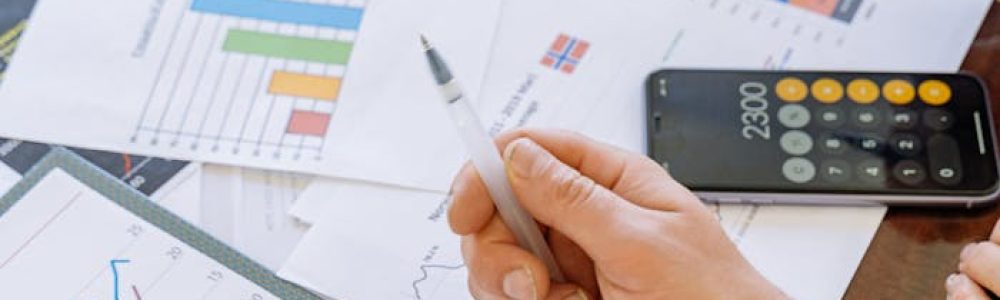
(619,226)
(979,267)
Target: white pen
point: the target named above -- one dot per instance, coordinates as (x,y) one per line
(486,158)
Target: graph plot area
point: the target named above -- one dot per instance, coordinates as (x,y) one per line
(252,77)
(121,257)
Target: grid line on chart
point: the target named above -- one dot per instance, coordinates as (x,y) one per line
(292,54)
(40,230)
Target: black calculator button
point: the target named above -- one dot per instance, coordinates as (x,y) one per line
(944,159)
(872,171)
(835,171)
(903,119)
(867,117)
(938,119)
(870,143)
(906,144)
(909,172)
(830,117)
(832,144)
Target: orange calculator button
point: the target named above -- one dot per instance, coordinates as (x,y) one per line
(862,91)
(827,90)
(935,92)
(791,89)
(898,92)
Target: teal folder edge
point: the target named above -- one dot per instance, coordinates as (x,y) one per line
(142,207)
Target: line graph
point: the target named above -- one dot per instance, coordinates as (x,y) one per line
(115,279)
(425,275)
(123,256)
(251,77)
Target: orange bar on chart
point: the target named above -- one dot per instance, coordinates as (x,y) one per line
(304,85)
(308,123)
(823,7)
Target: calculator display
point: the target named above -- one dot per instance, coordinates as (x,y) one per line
(872,133)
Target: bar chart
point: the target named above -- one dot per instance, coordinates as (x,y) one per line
(252,77)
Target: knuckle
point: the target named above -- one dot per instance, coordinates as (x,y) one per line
(571,188)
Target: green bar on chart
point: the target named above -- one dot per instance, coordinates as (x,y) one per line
(288,47)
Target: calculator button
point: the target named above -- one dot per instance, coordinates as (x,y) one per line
(835,171)
(944,159)
(832,144)
(904,119)
(867,117)
(938,119)
(794,116)
(871,144)
(872,171)
(862,91)
(830,117)
(798,170)
(796,142)
(906,144)
(827,90)
(898,92)
(909,172)
(935,92)
(791,89)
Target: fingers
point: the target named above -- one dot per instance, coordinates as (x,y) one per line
(633,176)
(499,268)
(566,291)
(471,208)
(573,261)
(959,286)
(601,162)
(980,262)
(562,198)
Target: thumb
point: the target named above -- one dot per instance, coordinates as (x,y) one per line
(560,197)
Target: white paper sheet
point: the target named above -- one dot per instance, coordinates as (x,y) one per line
(379,242)
(64,240)
(182,194)
(247,208)
(604,92)
(198,79)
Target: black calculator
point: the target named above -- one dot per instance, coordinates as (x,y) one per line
(781,136)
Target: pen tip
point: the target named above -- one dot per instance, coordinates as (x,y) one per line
(424,42)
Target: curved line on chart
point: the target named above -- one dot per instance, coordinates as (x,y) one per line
(136,291)
(425,275)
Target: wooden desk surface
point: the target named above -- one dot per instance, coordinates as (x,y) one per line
(915,249)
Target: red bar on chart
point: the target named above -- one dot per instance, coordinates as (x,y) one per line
(823,7)
(308,123)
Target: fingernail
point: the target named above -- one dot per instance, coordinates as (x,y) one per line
(522,156)
(966,251)
(579,295)
(519,284)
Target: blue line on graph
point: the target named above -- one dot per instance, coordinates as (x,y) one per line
(114,273)
(285,11)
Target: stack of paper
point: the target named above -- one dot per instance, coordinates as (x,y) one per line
(333,99)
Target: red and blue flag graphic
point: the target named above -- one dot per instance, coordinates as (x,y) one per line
(565,54)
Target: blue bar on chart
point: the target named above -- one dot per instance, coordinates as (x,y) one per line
(341,17)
